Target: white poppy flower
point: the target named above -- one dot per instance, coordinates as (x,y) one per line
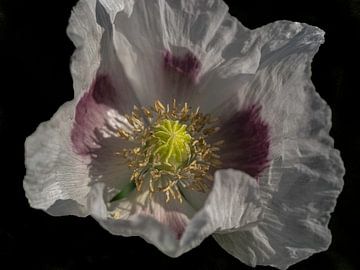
(186,124)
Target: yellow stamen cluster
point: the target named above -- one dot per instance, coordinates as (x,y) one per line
(171,148)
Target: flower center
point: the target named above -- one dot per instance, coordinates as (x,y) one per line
(170,150)
(171,143)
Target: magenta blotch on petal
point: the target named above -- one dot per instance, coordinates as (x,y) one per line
(247,141)
(188,65)
(172,218)
(90,113)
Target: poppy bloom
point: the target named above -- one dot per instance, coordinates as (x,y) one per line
(186,124)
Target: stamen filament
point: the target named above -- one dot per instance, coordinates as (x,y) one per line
(171,149)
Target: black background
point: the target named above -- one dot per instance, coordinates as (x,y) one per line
(35,80)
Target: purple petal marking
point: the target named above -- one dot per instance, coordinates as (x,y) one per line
(174,220)
(187,66)
(90,113)
(177,224)
(247,142)
(171,214)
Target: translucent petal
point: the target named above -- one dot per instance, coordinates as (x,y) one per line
(85,33)
(105,94)
(169,49)
(163,49)
(53,171)
(234,191)
(300,188)
(90,28)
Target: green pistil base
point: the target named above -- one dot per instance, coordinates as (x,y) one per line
(171,143)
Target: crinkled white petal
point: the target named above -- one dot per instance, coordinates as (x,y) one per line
(90,29)
(233,204)
(54,173)
(146,29)
(297,202)
(85,33)
(300,189)
(127,39)
(57,177)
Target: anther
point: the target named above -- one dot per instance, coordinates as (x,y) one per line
(171,148)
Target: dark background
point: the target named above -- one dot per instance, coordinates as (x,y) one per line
(35,80)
